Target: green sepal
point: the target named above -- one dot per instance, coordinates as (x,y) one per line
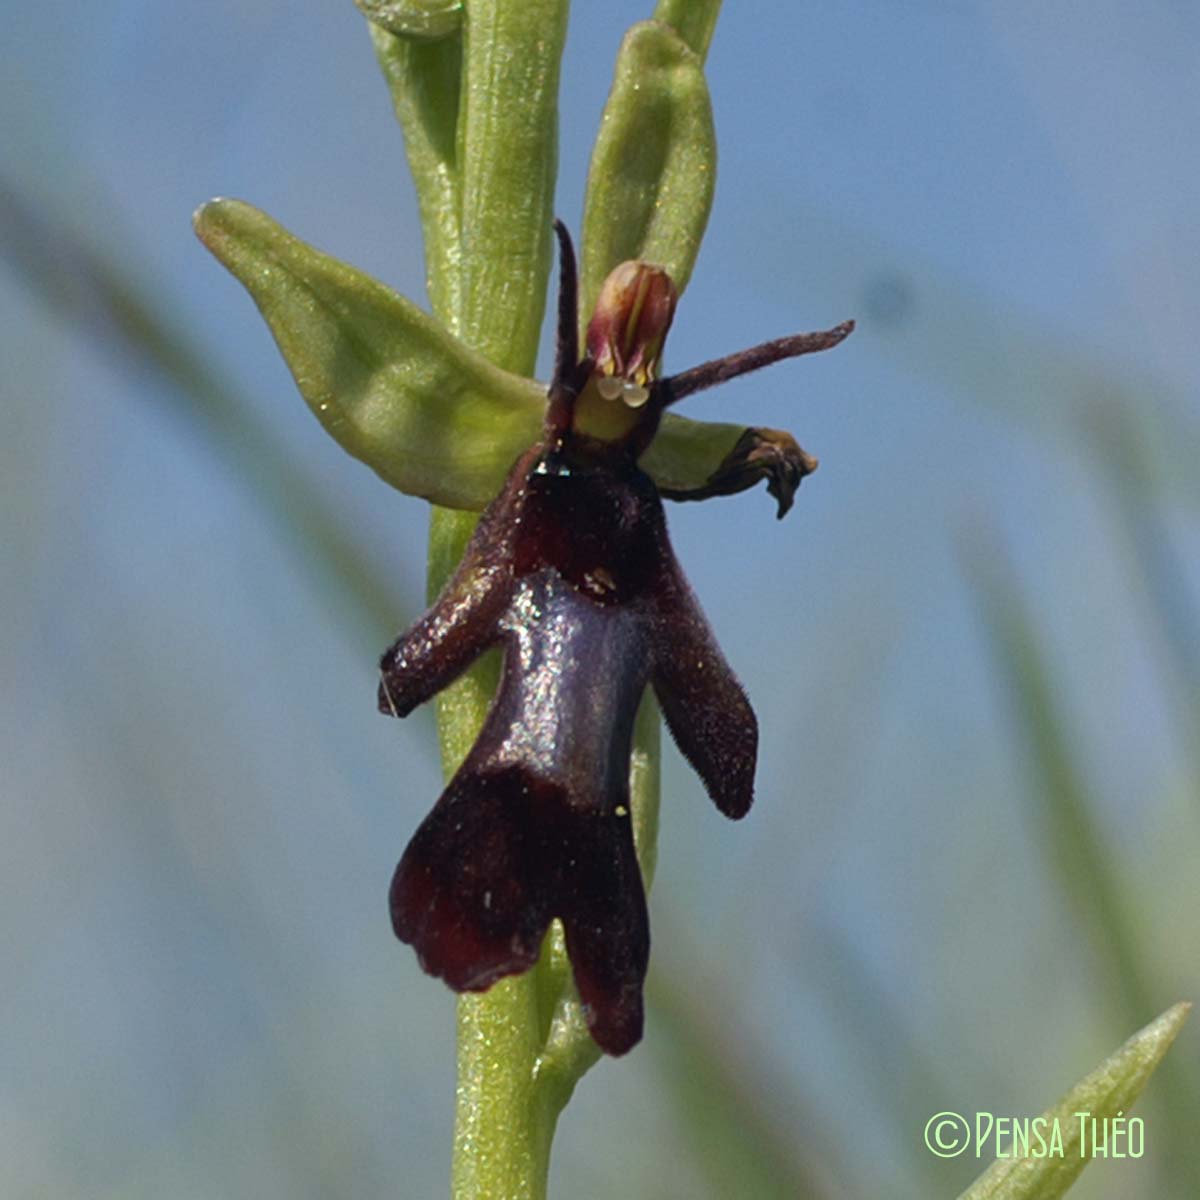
(653,170)
(385,379)
(685,453)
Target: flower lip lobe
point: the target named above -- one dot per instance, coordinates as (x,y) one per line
(501,853)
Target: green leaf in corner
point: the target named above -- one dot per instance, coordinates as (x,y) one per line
(1108,1092)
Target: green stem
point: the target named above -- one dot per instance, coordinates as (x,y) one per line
(505,162)
(487,197)
(524,1044)
(504,1120)
(503,1123)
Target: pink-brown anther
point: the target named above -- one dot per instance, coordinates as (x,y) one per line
(626,333)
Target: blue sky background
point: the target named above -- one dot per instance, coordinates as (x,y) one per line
(200,993)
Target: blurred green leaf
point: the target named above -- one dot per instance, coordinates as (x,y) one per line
(883,1038)
(1108,1092)
(1133,492)
(103,301)
(1077,856)
(1076,851)
(728,1096)
(653,169)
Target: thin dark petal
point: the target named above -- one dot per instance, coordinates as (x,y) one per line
(565,384)
(705,707)
(463,621)
(567,353)
(441,645)
(718,370)
(769,454)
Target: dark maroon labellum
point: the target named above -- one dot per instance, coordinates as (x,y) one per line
(571,572)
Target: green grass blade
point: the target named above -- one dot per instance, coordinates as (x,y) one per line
(1108,1091)
(1076,854)
(1134,492)
(722,1090)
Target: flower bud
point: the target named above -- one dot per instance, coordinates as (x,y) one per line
(626,333)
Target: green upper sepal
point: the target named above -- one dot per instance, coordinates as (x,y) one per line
(654,164)
(396,389)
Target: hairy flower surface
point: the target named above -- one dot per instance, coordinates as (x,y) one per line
(570,571)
